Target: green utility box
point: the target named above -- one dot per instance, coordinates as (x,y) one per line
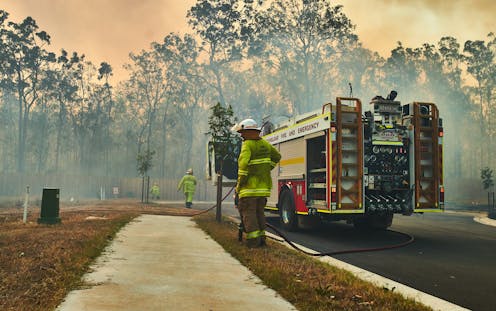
(50,206)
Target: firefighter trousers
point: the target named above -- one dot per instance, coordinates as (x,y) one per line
(189,198)
(252,214)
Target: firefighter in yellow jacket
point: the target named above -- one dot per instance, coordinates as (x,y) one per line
(256,159)
(155,191)
(188,185)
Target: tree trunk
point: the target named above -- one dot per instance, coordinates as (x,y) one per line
(60,124)
(20,147)
(218,211)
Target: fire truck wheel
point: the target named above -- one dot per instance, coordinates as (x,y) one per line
(377,222)
(381,222)
(361,223)
(287,211)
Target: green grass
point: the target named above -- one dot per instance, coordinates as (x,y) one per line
(304,281)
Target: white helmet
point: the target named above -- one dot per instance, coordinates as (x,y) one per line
(246,124)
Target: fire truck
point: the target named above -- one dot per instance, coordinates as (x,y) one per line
(358,164)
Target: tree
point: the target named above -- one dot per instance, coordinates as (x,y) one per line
(223,139)
(303,38)
(61,86)
(147,88)
(224,142)
(23,60)
(105,72)
(187,89)
(488,183)
(455,115)
(223,33)
(402,72)
(487,178)
(144,164)
(480,60)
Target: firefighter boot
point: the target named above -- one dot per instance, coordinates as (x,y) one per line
(253,243)
(262,241)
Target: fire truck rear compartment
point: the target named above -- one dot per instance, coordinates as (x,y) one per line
(317,172)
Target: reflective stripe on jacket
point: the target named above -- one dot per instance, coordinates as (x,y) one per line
(256,159)
(188,183)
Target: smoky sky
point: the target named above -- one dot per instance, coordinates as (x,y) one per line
(103,30)
(382,23)
(108,30)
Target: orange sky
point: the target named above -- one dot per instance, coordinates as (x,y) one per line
(107,30)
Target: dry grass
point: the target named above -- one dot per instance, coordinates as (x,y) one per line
(40,264)
(305,282)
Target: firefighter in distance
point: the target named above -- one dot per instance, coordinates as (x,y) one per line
(188,185)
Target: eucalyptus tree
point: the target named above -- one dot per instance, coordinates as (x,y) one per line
(360,73)
(146,92)
(224,33)
(4,55)
(186,93)
(61,87)
(23,60)
(402,72)
(105,71)
(86,114)
(457,111)
(481,65)
(7,114)
(452,59)
(8,132)
(252,94)
(39,137)
(304,38)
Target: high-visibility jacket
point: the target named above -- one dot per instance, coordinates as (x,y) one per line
(256,159)
(188,183)
(155,190)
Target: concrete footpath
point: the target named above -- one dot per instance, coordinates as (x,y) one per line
(167,263)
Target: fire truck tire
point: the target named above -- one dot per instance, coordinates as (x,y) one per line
(287,211)
(377,222)
(361,223)
(381,222)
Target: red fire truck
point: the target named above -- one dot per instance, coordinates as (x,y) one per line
(344,162)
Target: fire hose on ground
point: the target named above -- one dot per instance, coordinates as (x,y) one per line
(410,239)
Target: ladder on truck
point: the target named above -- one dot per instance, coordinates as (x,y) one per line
(427,164)
(348,156)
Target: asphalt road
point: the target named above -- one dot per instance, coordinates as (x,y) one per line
(453,257)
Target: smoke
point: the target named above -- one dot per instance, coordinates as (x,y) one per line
(107,30)
(382,23)
(103,30)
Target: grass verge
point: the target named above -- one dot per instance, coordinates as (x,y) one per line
(40,264)
(304,281)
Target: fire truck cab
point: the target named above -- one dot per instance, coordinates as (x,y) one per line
(343,163)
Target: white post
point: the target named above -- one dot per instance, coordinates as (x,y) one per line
(26,203)
(102,193)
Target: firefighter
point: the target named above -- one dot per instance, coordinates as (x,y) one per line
(256,159)
(155,191)
(188,184)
